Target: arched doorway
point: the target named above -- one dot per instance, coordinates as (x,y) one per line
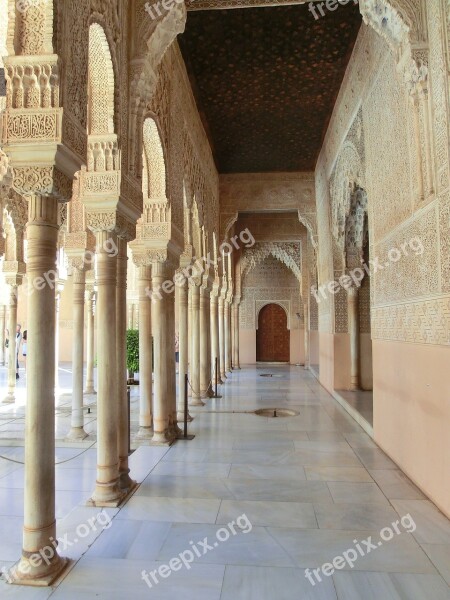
(273,336)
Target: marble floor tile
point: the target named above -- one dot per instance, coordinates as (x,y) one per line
(439,555)
(257,547)
(396,485)
(183,510)
(384,586)
(364,517)
(285,491)
(350,474)
(116,579)
(269,514)
(181,469)
(270,583)
(274,473)
(313,548)
(131,539)
(184,487)
(374,458)
(358,493)
(432,526)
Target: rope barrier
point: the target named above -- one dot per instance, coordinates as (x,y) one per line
(19,462)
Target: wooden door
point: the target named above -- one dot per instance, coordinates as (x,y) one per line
(273,337)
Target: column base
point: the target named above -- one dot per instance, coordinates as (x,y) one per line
(10,399)
(145,433)
(162,439)
(196,402)
(90,392)
(76,434)
(127,484)
(175,431)
(107,495)
(22,573)
(180,417)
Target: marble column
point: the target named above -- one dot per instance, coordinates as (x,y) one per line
(170,366)
(235,314)
(12,352)
(227,325)
(353,329)
(39,531)
(205,348)
(90,303)
(307,333)
(161,409)
(125,481)
(222,336)
(77,431)
(184,348)
(195,334)
(215,344)
(107,491)
(56,317)
(145,353)
(2,336)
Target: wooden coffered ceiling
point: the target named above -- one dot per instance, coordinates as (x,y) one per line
(266,79)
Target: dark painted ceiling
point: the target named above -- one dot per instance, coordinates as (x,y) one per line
(266,80)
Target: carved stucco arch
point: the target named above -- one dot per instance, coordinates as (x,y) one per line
(284,304)
(348,175)
(155,37)
(279,250)
(101,96)
(154,172)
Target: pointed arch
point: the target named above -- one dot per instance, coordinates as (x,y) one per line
(101,84)
(154,163)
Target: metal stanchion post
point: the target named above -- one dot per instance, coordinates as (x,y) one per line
(185,435)
(129,419)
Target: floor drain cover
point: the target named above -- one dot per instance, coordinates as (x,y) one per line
(274,413)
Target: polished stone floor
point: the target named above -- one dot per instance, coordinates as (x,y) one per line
(310,486)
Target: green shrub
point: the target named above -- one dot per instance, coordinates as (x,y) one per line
(133,350)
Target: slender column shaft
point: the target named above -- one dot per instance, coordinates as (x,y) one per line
(307,334)
(107,490)
(205,358)
(223,374)
(161,432)
(57,307)
(170,366)
(353,329)
(12,349)
(215,347)
(227,325)
(236,363)
(125,482)
(39,492)
(90,343)
(195,333)
(184,347)
(77,425)
(145,353)
(2,337)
